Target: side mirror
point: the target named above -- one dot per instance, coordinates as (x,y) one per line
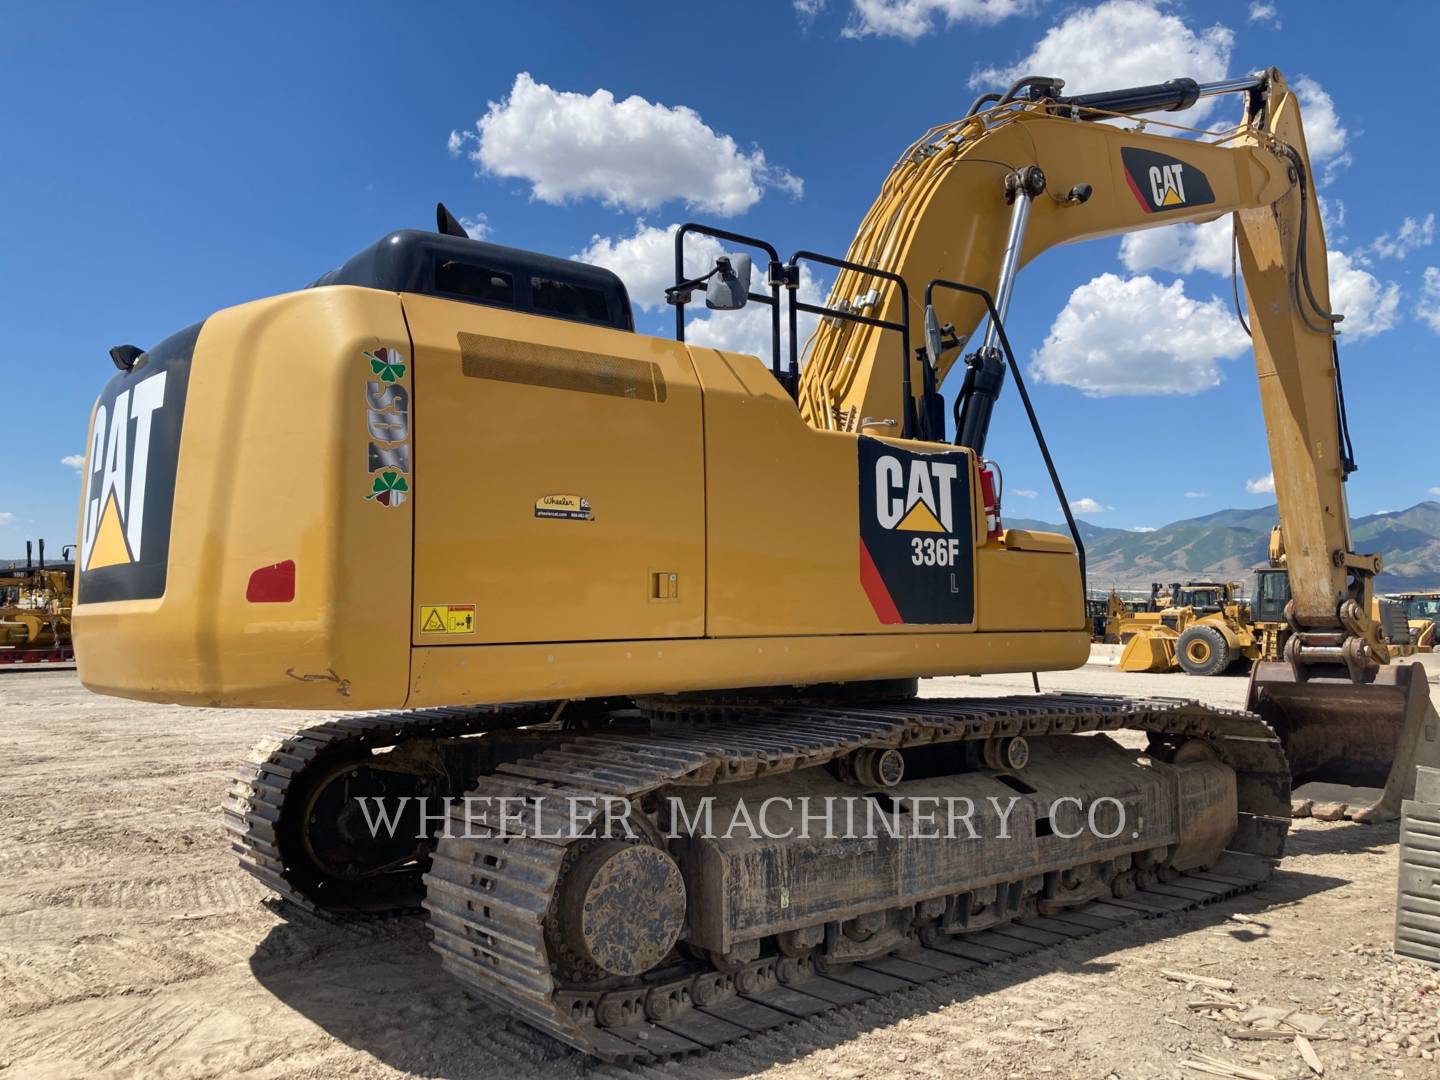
(729,288)
(933,344)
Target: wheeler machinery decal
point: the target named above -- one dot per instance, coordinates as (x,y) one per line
(569,507)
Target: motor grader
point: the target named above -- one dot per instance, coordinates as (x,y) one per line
(569,573)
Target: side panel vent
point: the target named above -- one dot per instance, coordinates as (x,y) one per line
(506,360)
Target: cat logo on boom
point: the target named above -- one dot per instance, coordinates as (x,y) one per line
(1160,182)
(916,537)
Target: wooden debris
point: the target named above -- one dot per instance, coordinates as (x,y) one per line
(1198,980)
(1307,1052)
(1269,1017)
(1259,1034)
(1213,1066)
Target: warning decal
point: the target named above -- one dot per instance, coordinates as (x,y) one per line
(447,618)
(917,544)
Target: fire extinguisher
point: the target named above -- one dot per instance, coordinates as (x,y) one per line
(991,484)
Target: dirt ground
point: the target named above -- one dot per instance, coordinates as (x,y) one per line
(132,945)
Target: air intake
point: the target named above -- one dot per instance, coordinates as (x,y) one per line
(505,360)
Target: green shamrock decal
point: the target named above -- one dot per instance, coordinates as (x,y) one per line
(387,364)
(388,489)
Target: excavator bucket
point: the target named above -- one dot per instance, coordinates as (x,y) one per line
(1367,734)
(1148,652)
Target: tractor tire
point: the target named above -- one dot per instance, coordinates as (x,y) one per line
(1202,650)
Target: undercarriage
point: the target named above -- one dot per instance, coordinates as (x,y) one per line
(649,878)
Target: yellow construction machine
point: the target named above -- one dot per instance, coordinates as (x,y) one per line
(601,594)
(1201,627)
(35,603)
(1422,615)
(1108,612)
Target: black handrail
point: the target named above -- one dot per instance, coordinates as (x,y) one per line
(958,286)
(771,278)
(907,419)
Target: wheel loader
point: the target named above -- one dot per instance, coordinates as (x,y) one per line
(1201,627)
(1422,615)
(592,594)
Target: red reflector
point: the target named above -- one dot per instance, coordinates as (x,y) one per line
(272,584)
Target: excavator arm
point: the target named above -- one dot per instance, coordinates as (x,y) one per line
(1022,174)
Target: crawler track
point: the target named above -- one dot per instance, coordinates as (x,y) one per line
(256,803)
(492,896)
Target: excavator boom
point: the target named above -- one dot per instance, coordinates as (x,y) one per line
(1013,179)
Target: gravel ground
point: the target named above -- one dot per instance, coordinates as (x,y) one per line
(131,945)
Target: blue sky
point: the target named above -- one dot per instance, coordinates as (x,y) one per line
(166,161)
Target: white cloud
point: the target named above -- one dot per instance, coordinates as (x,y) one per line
(1142,528)
(1196,494)
(1121,43)
(1369,306)
(477,228)
(1428,309)
(1325,136)
(6,517)
(1434,490)
(1265,13)
(1261,485)
(1411,236)
(808,9)
(1086,505)
(632,154)
(1180,248)
(1135,336)
(75,461)
(1334,218)
(911,19)
(645,260)
(1025,493)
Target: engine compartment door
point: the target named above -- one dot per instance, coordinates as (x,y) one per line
(559,480)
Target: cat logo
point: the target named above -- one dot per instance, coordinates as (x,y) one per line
(124,550)
(113,529)
(917,543)
(1167,184)
(921,502)
(1160,182)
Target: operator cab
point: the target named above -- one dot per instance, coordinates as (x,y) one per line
(449,265)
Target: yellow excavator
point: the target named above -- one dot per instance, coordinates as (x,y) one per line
(598,596)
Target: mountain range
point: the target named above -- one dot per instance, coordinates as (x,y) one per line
(1228,544)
